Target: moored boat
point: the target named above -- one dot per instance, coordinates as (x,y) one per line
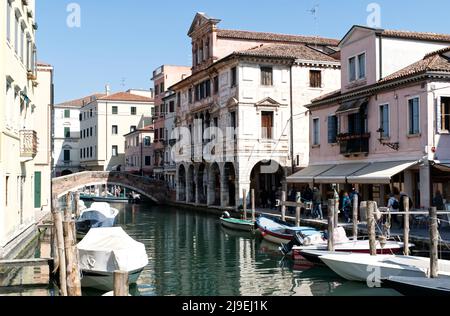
(344,244)
(105,250)
(97,215)
(279,232)
(237,224)
(362,267)
(410,286)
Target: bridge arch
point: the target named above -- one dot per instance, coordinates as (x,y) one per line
(154,190)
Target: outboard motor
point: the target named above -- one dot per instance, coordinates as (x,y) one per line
(226,215)
(297,240)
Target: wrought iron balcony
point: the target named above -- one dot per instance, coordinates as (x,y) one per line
(352,144)
(28,144)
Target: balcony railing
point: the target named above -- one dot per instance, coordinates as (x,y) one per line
(354,143)
(28,144)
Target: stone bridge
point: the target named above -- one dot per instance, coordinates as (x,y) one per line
(153,189)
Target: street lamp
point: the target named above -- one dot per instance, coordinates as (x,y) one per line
(394,146)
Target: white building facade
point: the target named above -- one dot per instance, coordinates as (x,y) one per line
(66,135)
(103,124)
(24,105)
(250,95)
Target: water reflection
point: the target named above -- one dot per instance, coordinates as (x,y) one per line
(191,254)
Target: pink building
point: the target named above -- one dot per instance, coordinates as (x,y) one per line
(139,151)
(164,77)
(388,128)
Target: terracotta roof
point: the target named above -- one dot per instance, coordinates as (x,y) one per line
(437,61)
(298,51)
(273,37)
(432,62)
(427,36)
(78,103)
(125,96)
(43,64)
(330,95)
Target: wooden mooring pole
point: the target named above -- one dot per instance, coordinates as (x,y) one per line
(73,273)
(434,239)
(68,208)
(298,210)
(355,216)
(406,225)
(371,228)
(58,222)
(77,205)
(121,285)
(331,206)
(244,203)
(253,206)
(283,206)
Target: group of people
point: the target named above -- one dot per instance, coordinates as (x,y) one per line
(314,196)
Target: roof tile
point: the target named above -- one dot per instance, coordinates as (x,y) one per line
(273,37)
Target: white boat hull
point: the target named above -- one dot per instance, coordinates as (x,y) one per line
(363,268)
(104,281)
(236,226)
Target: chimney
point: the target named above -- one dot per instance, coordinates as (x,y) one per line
(107,89)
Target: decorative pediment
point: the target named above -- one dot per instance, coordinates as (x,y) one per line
(268,102)
(200,20)
(67,147)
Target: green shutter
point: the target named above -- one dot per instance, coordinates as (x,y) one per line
(37,189)
(66,113)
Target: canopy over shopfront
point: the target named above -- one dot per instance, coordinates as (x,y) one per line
(380,172)
(355,173)
(308,174)
(339,173)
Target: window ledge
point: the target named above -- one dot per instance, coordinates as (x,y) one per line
(414,135)
(315,146)
(444,132)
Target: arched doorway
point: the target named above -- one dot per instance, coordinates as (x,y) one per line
(230,182)
(66,173)
(266,180)
(202,183)
(214,185)
(181,184)
(191,184)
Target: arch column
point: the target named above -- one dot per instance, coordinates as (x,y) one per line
(224,194)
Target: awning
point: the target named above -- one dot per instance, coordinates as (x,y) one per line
(307,175)
(339,173)
(352,106)
(445,167)
(380,172)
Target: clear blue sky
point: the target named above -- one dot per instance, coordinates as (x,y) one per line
(129,39)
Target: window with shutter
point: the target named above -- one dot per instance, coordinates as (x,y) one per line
(444,115)
(266,76)
(384,120)
(332,129)
(315,78)
(414,117)
(267,125)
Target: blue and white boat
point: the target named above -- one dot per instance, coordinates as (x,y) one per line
(279,232)
(96,216)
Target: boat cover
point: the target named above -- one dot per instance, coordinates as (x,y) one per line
(103,208)
(109,250)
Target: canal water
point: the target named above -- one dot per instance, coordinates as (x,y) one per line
(190,254)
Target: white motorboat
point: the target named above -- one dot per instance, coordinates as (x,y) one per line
(105,250)
(99,214)
(420,286)
(363,267)
(344,244)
